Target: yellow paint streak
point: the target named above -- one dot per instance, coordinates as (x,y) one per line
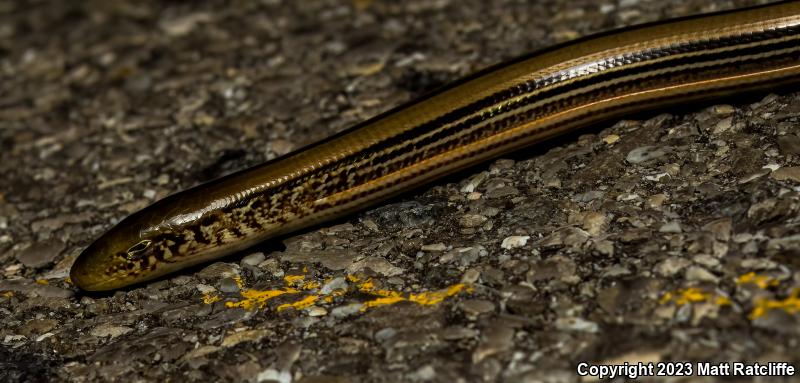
(258,298)
(210,297)
(790,305)
(310,285)
(434,297)
(292,280)
(762,281)
(301,304)
(8,294)
(382,302)
(694,295)
(294,284)
(388,297)
(43,281)
(352,278)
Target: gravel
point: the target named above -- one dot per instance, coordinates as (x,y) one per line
(669,236)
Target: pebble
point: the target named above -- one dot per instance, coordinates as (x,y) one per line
(477,306)
(699,274)
(646,153)
(472,220)
(495,339)
(316,311)
(41,254)
(594,223)
(515,241)
(577,325)
(378,265)
(791,173)
(338,283)
(671,227)
(228,285)
(671,266)
(346,310)
(434,247)
(254,259)
(110,330)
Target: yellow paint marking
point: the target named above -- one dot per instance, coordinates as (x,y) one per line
(692,295)
(381,302)
(790,305)
(258,298)
(8,294)
(762,281)
(301,304)
(294,284)
(388,297)
(294,279)
(434,297)
(210,297)
(43,281)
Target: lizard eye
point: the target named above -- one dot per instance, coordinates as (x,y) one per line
(138,248)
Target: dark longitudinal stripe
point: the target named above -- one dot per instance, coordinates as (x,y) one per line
(561,77)
(407,143)
(713,65)
(446,137)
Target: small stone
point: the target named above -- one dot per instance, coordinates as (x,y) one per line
(274,376)
(477,306)
(656,200)
(385,334)
(228,285)
(464,255)
(577,325)
(721,228)
(671,266)
(254,259)
(472,220)
(218,270)
(346,310)
(471,276)
(205,289)
(378,265)
(791,173)
(505,191)
(699,274)
(496,339)
(723,125)
(245,336)
(423,374)
(338,283)
(610,139)
(722,110)
(182,25)
(316,311)
(41,254)
(515,241)
(594,222)
(671,227)
(615,271)
(110,330)
(646,153)
(434,247)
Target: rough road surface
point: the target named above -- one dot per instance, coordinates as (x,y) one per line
(673,237)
